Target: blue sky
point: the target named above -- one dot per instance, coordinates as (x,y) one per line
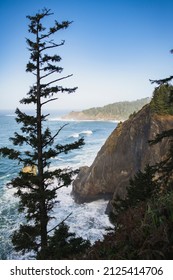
(112,48)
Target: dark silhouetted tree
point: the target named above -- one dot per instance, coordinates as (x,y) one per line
(35,190)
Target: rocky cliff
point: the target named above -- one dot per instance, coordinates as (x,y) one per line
(124,153)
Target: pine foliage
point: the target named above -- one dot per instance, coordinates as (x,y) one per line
(162,100)
(65,245)
(140,188)
(36,192)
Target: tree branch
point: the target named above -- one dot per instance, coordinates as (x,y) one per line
(45,116)
(57,80)
(42,77)
(162,81)
(60,187)
(55,135)
(60,223)
(52,46)
(53,99)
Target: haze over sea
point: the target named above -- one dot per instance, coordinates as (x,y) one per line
(87,220)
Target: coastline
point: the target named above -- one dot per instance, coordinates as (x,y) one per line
(64,118)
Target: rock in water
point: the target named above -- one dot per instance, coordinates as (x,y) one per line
(124,153)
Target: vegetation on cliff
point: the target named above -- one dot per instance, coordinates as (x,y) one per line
(162,101)
(144,219)
(117,111)
(142,232)
(143,222)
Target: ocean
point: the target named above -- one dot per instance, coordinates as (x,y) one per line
(87,220)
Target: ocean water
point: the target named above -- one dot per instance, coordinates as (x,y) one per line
(88,219)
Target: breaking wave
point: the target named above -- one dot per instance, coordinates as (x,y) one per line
(87,220)
(82,133)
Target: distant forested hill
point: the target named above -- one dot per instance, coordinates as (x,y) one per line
(116,111)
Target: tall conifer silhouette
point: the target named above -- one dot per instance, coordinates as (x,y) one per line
(34,188)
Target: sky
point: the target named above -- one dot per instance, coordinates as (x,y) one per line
(112,48)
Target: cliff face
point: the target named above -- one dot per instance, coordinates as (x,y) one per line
(124,153)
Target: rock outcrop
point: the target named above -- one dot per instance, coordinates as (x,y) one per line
(124,153)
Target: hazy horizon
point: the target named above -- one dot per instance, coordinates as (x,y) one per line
(60,111)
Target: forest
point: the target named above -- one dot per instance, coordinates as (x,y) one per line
(115,111)
(121,109)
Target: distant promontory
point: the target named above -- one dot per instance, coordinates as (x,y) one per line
(119,111)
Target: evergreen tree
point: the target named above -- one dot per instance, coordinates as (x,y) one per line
(35,190)
(141,187)
(65,245)
(163,101)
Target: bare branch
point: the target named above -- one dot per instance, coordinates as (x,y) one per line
(60,187)
(52,46)
(45,116)
(48,101)
(55,135)
(60,223)
(57,80)
(42,77)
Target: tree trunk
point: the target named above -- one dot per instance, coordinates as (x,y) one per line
(42,206)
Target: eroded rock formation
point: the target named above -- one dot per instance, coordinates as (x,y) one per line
(124,153)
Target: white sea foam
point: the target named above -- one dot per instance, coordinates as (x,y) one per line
(74,135)
(83,132)
(88,132)
(55,119)
(87,220)
(61,119)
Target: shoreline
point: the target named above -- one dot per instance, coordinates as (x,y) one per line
(85,120)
